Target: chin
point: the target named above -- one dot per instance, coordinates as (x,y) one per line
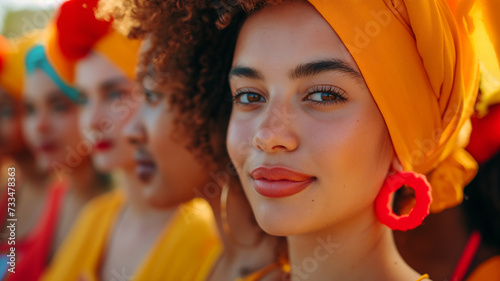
(277,219)
(103,164)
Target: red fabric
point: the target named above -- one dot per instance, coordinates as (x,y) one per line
(4,48)
(467,256)
(78,29)
(4,205)
(485,137)
(31,265)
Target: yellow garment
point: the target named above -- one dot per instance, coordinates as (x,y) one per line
(488,270)
(425,276)
(186,250)
(422,72)
(12,73)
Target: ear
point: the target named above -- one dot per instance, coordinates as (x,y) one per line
(396,164)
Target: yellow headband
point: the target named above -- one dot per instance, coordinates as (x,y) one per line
(421,70)
(12,74)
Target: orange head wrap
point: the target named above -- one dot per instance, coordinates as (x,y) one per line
(419,65)
(12,54)
(75,32)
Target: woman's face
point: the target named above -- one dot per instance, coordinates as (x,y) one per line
(107,105)
(307,139)
(169,172)
(51,124)
(11,137)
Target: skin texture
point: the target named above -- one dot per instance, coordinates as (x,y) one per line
(51,118)
(11,140)
(177,173)
(335,142)
(323,123)
(108,104)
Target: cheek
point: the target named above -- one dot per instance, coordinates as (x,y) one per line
(239,141)
(67,129)
(29,130)
(84,120)
(353,152)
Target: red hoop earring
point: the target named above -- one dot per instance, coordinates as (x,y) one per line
(423,197)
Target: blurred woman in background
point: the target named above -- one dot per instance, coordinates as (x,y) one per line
(52,133)
(27,196)
(148,228)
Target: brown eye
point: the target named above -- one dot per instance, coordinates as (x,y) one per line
(323,97)
(246,98)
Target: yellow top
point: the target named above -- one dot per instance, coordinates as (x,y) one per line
(186,250)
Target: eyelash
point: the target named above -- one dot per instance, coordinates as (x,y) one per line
(339,95)
(242,92)
(148,96)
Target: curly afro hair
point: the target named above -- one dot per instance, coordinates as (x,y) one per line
(187,49)
(191,44)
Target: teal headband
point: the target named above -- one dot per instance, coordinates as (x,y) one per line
(36,58)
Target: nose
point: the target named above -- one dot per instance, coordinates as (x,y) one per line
(276,132)
(134,130)
(91,116)
(42,124)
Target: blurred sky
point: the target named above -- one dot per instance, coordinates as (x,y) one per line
(20,4)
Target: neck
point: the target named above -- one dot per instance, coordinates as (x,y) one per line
(83,182)
(29,175)
(136,205)
(359,249)
(244,233)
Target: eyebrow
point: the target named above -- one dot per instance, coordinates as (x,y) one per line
(111,83)
(56,96)
(245,72)
(303,70)
(321,66)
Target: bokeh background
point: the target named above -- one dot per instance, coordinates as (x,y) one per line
(20,16)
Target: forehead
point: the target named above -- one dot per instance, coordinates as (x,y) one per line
(288,34)
(38,85)
(94,70)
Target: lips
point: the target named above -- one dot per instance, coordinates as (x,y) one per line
(279,182)
(103,145)
(47,147)
(146,167)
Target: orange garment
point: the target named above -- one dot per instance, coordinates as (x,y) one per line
(420,67)
(488,270)
(186,250)
(33,260)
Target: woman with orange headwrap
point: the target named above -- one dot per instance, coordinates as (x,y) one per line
(52,133)
(337,104)
(28,193)
(170,239)
(331,98)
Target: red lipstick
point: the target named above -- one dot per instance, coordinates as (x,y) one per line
(279,182)
(103,145)
(47,147)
